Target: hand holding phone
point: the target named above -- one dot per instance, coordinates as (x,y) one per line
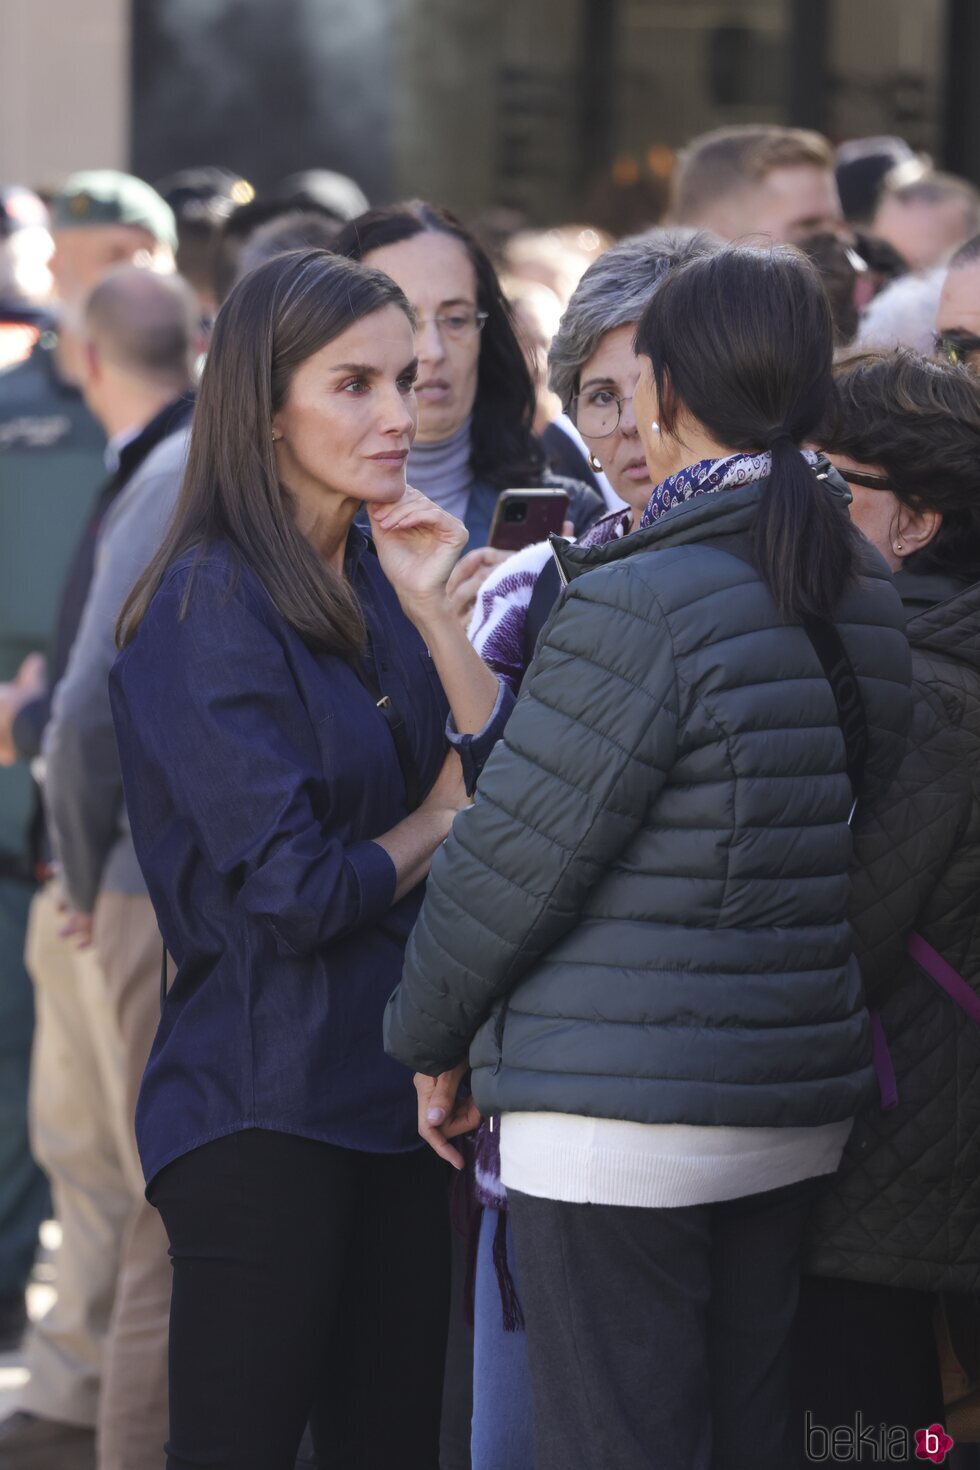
(523,517)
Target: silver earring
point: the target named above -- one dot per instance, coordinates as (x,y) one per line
(655,427)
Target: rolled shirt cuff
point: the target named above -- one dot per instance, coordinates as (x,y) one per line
(474,749)
(376,879)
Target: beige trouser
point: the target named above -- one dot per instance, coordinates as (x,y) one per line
(100,1356)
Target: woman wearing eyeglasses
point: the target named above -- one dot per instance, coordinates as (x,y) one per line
(899,1224)
(475,396)
(593,371)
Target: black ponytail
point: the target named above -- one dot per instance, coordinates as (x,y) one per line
(743,341)
(804,540)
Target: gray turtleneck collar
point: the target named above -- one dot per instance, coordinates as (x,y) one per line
(442,471)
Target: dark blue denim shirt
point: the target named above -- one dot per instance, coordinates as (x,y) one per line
(257,772)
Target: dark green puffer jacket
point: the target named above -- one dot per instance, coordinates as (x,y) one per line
(904,1209)
(644,915)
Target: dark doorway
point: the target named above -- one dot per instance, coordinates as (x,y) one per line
(264,89)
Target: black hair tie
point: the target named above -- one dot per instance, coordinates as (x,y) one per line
(778,435)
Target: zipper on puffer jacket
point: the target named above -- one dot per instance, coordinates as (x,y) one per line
(558,543)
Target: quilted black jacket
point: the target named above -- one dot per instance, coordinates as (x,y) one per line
(644,915)
(905,1207)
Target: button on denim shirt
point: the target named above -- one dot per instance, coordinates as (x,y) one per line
(256,773)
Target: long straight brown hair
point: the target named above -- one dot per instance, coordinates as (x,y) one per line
(275,318)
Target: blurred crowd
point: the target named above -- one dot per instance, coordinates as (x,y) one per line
(526,339)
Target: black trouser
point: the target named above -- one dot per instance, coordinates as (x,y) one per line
(660,1339)
(457,1388)
(869,1350)
(310,1282)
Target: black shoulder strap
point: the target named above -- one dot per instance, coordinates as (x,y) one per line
(363,668)
(839,673)
(403,749)
(399,735)
(547,590)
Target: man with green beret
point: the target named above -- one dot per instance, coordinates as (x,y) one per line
(52,461)
(103,218)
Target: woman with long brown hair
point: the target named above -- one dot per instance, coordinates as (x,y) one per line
(281,704)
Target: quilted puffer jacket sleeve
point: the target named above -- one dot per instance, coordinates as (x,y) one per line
(904,840)
(587,749)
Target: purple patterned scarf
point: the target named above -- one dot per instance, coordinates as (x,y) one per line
(708,475)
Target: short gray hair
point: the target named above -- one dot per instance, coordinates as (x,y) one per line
(614,292)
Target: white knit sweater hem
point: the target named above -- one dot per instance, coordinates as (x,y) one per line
(603,1161)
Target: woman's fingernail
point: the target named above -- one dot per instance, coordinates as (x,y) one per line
(435,1115)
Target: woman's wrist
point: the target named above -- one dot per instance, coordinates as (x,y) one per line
(431,612)
(439,815)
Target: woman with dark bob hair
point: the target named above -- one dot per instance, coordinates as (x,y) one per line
(638,934)
(475,393)
(281,704)
(900,1223)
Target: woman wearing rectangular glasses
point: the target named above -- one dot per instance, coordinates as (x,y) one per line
(899,1223)
(475,393)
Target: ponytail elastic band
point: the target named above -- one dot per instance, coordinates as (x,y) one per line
(777,435)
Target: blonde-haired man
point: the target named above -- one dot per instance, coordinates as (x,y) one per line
(758,185)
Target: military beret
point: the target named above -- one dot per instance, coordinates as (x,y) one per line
(106,197)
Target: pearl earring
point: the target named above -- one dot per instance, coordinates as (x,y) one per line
(655,427)
(275,436)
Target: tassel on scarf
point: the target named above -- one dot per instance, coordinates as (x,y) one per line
(509,1300)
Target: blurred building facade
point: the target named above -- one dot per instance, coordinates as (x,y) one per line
(64,87)
(546,108)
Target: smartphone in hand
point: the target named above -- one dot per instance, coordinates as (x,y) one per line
(523,517)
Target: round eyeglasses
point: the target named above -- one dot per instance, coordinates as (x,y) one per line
(597,413)
(456,326)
